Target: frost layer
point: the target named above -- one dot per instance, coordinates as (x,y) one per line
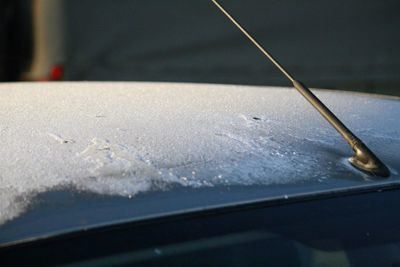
(126,138)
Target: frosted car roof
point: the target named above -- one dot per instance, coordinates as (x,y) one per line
(164,147)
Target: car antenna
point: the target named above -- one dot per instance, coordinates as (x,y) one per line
(363,159)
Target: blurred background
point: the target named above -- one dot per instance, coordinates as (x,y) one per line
(341,44)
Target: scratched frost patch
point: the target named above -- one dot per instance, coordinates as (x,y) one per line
(259,156)
(118,169)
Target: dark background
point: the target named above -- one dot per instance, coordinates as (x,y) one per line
(15,38)
(329,44)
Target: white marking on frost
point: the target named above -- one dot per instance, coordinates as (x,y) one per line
(60,139)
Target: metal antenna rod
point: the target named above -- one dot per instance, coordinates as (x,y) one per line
(254,41)
(363,159)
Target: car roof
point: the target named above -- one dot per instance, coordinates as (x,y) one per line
(86,153)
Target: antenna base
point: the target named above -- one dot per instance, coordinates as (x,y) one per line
(366,161)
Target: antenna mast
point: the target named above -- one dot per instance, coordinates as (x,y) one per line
(363,159)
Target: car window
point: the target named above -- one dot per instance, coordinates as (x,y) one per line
(243,249)
(353,230)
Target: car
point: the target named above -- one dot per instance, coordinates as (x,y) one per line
(145,174)
(186,174)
